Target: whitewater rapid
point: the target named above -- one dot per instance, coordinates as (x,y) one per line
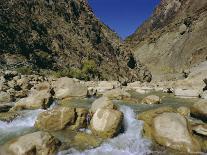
(130,142)
(21,125)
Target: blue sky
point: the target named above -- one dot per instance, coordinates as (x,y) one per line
(123,16)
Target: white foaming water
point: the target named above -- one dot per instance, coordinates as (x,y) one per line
(19,125)
(130,142)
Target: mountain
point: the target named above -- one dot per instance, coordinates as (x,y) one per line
(173,39)
(65,37)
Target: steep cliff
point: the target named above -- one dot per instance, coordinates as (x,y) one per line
(63,36)
(173,39)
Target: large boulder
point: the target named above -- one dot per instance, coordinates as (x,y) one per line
(102,102)
(55,119)
(171,130)
(148,116)
(151,99)
(117,93)
(106,123)
(199,110)
(40,97)
(37,143)
(67,87)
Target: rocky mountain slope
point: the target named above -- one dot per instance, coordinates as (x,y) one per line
(63,36)
(173,39)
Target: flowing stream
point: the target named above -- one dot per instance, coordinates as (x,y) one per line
(21,125)
(130,142)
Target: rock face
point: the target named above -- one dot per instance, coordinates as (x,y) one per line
(173,39)
(67,87)
(170,129)
(56,119)
(151,99)
(102,102)
(199,110)
(66,37)
(106,123)
(38,143)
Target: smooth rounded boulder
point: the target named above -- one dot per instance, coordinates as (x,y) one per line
(117,93)
(37,143)
(67,87)
(171,130)
(106,123)
(102,102)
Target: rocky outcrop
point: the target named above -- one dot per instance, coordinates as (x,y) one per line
(173,38)
(38,143)
(106,123)
(64,37)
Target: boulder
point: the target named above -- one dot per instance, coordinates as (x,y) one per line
(200,129)
(148,116)
(5,97)
(117,93)
(199,110)
(39,99)
(106,123)
(187,93)
(102,102)
(67,87)
(185,111)
(171,130)
(37,143)
(55,119)
(104,86)
(151,99)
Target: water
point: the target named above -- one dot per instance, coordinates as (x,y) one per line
(19,126)
(130,142)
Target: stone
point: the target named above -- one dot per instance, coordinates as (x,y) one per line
(5,97)
(37,143)
(148,116)
(200,129)
(171,130)
(185,111)
(36,100)
(151,99)
(55,119)
(104,86)
(106,123)
(199,110)
(91,92)
(102,102)
(182,29)
(117,93)
(67,87)
(82,119)
(187,93)
(6,107)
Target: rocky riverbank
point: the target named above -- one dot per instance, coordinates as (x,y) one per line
(47,115)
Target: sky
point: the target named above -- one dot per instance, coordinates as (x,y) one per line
(123,16)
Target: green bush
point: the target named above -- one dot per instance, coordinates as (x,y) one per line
(26,70)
